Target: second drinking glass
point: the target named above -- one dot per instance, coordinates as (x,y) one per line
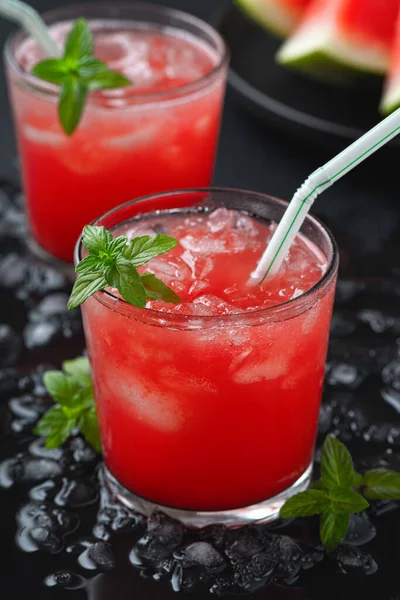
(158,134)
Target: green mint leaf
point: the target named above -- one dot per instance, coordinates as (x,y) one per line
(77,73)
(53,70)
(96,239)
(358,479)
(55,426)
(116,246)
(157,290)
(79,368)
(333,527)
(89,67)
(111,261)
(62,389)
(347,501)
(90,263)
(305,504)
(85,286)
(103,80)
(71,104)
(336,465)
(88,425)
(79,42)
(142,249)
(126,279)
(382,484)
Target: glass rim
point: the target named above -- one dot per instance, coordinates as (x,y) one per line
(50,91)
(183,321)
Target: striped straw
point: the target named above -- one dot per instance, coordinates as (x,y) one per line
(29,19)
(316,183)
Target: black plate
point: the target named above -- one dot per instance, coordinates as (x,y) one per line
(324,113)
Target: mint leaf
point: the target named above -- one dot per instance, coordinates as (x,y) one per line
(55,426)
(111,261)
(79,368)
(72,102)
(89,428)
(336,465)
(104,80)
(382,484)
(85,286)
(72,390)
(60,387)
(157,290)
(90,263)
(116,247)
(142,249)
(333,527)
(304,504)
(52,70)
(79,42)
(96,239)
(347,501)
(77,73)
(126,279)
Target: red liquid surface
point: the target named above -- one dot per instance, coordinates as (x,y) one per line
(123,148)
(224,414)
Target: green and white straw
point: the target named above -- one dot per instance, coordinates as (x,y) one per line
(316,183)
(29,19)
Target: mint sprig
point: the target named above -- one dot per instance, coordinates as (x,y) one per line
(113,262)
(74,408)
(340,492)
(77,73)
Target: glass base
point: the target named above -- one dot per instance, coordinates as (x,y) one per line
(67,269)
(263,512)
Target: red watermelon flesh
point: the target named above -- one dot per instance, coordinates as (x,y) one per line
(357,34)
(370,21)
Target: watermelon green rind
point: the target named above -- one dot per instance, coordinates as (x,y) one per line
(269,14)
(391,99)
(324,69)
(306,47)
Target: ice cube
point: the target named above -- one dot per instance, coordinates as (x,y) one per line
(113,48)
(151,403)
(185,382)
(353,561)
(169,269)
(202,554)
(141,136)
(246,225)
(163,536)
(77,493)
(10,345)
(204,245)
(221,219)
(43,136)
(256,370)
(102,555)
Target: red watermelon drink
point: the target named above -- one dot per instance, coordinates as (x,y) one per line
(209,407)
(159,133)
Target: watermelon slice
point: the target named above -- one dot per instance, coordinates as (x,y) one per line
(355,34)
(391,95)
(278,16)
